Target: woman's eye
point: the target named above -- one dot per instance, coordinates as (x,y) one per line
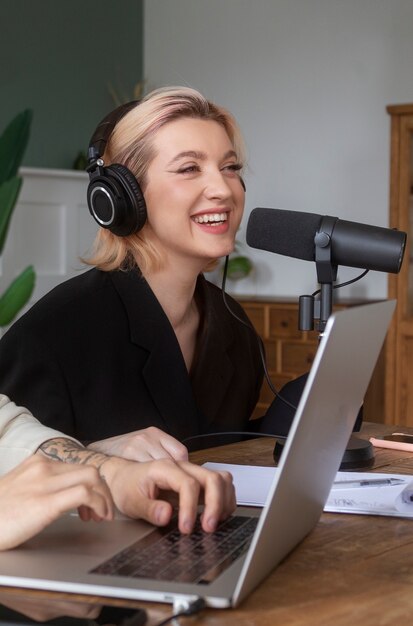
(188,169)
(233,167)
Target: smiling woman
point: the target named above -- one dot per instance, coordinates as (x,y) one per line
(194,198)
(142,339)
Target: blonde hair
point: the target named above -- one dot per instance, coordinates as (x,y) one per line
(132,145)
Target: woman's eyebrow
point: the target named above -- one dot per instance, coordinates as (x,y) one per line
(193,154)
(201,156)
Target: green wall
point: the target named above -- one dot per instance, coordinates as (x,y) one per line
(58,58)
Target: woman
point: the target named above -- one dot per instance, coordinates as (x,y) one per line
(143,340)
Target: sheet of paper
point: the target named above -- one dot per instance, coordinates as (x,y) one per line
(349,494)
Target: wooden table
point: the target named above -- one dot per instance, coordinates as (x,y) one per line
(351,570)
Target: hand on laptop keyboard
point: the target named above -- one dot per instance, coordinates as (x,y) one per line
(148,490)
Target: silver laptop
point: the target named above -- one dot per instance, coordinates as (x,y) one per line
(121,558)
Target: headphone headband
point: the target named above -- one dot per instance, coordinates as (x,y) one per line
(105,128)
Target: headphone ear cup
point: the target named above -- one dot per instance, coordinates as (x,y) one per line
(116,201)
(137,204)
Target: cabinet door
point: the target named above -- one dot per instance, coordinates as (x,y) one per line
(399,373)
(289,351)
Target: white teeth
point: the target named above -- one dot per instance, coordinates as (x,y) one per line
(214,217)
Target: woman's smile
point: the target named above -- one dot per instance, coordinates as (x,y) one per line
(213,219)
(214,223)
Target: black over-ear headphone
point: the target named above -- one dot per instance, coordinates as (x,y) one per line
(114,197)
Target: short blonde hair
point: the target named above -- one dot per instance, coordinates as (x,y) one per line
(132,144)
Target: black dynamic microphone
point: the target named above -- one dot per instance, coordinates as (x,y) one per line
(296,234)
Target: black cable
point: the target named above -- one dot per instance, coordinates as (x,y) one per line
(234,432)
(260,341)
(349,282)
(194,607)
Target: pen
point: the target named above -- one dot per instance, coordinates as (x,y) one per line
(372,482)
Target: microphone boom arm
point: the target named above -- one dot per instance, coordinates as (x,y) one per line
(326,275)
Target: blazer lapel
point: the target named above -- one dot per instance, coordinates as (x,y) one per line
(165,372)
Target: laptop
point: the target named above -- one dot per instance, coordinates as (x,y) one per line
(103,559)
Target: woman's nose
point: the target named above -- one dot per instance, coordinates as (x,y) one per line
(216,186)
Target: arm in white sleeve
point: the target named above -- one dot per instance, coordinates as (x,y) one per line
(21,434)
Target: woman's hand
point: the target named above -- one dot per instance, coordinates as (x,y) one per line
(38,491)
(148,491)
(142,445)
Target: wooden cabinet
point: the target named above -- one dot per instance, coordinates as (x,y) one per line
(399,357)
(290,352)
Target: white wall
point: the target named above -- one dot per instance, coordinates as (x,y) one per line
(308,81)
(51,228)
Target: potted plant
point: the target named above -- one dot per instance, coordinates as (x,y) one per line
(239,265)
(13,144)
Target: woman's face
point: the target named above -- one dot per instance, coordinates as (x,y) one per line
(194,196)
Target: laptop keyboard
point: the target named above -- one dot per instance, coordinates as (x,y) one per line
(166,554)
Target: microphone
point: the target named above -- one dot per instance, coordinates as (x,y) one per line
(296,234)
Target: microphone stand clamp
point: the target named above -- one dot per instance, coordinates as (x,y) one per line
(320,310)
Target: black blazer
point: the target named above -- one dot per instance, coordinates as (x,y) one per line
(98,357)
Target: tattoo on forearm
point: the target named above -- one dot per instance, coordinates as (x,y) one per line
(61,449)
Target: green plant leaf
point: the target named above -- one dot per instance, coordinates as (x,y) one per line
(17,295)
(13,144)
(239,267)
(9,192)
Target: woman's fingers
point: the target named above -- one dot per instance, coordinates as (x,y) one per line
(189,482)
(47,489)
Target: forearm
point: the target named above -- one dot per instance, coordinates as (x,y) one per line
(69,451)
